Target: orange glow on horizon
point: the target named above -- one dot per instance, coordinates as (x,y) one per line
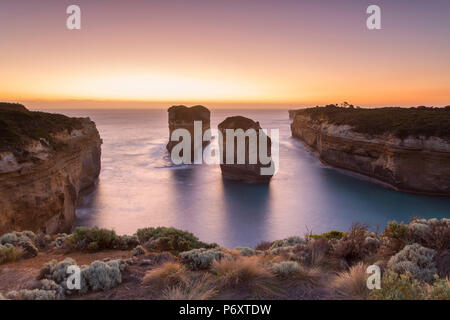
(223,52)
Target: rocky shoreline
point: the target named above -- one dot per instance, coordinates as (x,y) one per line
(415,164)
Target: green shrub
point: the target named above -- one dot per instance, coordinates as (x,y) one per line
(395,287)
(397,233)
(169,239)
(8,253)
(126,242)
(91,239)
(198,259)
(405,287)
(440,290)
(416,260)
(333,234)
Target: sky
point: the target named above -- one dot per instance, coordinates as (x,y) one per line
(266,52)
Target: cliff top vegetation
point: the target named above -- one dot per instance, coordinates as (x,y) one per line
(18,126)
(401,122)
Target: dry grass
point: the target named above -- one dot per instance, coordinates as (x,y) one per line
(319,252)
(247,272)
(353,282)
(201,288)
(169,274)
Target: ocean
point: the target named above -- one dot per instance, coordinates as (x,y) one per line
(139,187)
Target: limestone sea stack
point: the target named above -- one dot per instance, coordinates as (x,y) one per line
(405,148)
(47,162)
(246,172)
(182,117)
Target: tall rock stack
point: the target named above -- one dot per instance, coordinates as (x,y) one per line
(182,117)
(246,172)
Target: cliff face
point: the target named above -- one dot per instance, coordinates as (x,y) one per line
(40,191)
(413,164)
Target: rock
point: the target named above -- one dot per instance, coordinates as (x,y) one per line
(42,182)
(246,172)
(413,164)
(182,117)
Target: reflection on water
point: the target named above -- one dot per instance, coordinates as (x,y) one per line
(139,187)
(246,206)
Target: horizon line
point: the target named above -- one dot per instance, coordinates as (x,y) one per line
(50,103)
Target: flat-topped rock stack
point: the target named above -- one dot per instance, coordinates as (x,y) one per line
(182,117)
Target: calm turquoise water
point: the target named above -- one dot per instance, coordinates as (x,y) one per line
(139,187)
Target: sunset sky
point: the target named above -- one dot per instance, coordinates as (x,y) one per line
(278,51)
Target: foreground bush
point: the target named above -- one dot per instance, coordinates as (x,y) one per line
(246,251)
(24,239)
(288,242)
(98,276)
(16,237)
(200,259)
(333,234)
(286,268)
(91,239)
(405,287)
(8,253)
(354,245)
(416,260)
(49,290)
(169,239)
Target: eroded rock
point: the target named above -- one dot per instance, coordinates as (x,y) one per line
(248,171)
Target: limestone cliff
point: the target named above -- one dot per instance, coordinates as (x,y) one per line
(417,164)
(46,163)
